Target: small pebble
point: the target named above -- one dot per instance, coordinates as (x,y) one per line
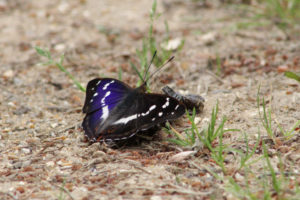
(172,44)
(239,177)
(25,150)
(50,164)
(155,198)
(8,74)
(59,162)
(63,7)
(60,47)
(197,120)
(209,38)
(11,104)
(53,125)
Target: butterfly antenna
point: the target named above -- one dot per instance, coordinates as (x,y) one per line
(147,70)
(169,60)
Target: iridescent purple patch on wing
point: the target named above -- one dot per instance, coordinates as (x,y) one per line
(103,92)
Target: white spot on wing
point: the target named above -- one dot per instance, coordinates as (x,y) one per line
(150,109)
(176,107)
(126,119)
(107,84)
(98,83)
(103,99)
(105,110)
(166,104)
(172,113)
(105,113)
(95,94)
(153,119)
(91,101)
(160,114)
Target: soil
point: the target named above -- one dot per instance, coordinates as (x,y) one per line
(43,151)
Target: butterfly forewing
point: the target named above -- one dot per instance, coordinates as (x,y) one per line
(102,92)
(102,96)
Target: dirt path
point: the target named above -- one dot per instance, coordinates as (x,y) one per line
(42,148)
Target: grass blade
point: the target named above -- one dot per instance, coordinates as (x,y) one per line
(293,75)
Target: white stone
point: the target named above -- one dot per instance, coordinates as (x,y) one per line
(25,150)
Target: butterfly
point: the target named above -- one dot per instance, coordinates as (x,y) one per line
(116,111)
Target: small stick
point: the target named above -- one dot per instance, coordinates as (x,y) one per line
(68,128)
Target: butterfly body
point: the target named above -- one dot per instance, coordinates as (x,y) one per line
(115,111)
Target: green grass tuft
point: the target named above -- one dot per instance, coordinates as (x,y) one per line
(211,137)
(293,75)
(45,53)
(265,116)
(283,14)
(150,45)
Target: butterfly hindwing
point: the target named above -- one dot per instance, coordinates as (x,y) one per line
(158,108)
(90,122)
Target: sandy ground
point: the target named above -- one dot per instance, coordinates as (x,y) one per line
(42,147)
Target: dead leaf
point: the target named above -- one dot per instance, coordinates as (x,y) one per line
(181,156)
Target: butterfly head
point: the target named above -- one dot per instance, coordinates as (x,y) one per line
(142,88)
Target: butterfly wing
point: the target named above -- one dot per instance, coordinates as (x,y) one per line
(103,90)
(139,111)
(102,96)
(158,108)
